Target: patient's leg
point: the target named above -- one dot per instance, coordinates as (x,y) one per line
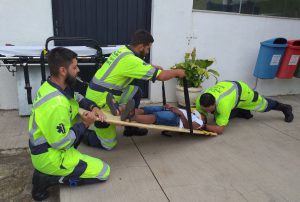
(146,119)
(167,118)
(149,110)
(139,111)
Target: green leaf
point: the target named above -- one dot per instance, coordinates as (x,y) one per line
(207,63)
(201,71)
(186,57)
(207,75)
(193,54)
(214,72)
(196,70)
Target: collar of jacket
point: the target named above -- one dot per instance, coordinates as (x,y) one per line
(68,92)
(134,52)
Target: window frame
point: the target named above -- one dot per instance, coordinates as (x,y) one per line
(243,14)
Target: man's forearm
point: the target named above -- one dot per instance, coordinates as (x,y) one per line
(166,75)
(215,128)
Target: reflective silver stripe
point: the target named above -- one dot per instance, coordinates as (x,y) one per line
(103,171)
(266,104)
(261,104)
(33,129)
(114,64)
(124,95)
(102,82)
(128,80)
(106,85)
(236,93)
(43,100)
(79,97)
(105,141)
(149,74)
(135,89)
(70,137)
(106,147)
(225,94)
(46,98)
(38,141)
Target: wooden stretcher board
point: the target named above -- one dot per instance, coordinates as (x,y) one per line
(116,120)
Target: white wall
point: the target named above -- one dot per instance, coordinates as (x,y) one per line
(23,22)
(170,28)
(232,39)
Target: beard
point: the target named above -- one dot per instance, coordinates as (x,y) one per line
(70,81)
(143,54)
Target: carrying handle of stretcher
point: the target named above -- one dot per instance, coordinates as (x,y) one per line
(95,43)
(163,93)
(27,82)
(187,102)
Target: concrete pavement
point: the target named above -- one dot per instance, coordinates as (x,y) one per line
(254,160)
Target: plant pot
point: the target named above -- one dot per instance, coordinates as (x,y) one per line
(193,93)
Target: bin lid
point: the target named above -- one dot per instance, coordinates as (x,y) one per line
(294,44)
(275,42)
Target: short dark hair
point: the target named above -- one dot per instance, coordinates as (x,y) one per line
(60,57)
(207,100)
(141,37)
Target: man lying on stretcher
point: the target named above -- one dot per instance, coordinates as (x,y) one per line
(159,115)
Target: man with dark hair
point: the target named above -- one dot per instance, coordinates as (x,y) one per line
(207,100)
(54,133)
(141,37)
(124,65)
(228,99)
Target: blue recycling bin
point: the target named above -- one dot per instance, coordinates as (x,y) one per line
(269,57)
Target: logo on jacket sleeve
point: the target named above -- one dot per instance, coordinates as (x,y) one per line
(61,128)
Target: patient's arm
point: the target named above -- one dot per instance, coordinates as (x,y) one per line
(204,118)
(179,113)
(184,121)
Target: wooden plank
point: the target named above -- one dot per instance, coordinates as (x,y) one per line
(116,120)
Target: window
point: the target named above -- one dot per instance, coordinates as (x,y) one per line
(282,8)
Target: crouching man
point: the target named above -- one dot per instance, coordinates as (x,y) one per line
(54,133)
(228,99)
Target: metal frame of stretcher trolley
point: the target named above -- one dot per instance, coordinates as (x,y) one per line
(24,60)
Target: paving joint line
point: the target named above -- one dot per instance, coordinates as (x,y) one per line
(150,169)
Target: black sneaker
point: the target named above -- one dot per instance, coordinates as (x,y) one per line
(287,110)
(40,183)
(288,113)
(134,131)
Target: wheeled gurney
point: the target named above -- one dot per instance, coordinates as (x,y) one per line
(29,64)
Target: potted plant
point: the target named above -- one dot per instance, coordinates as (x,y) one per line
(197,72)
